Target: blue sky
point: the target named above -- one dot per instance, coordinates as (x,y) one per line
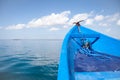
(52,19)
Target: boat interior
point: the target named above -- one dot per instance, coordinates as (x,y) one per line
(85,61)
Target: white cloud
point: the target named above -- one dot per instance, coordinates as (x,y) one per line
(89,22)
(66,26)
(50,20)
(106,24)
(109,23)
(78,17)
(54,29)
(99,17)
(118,22)
(103,24)
(113,17)
(108,30)
(18,26)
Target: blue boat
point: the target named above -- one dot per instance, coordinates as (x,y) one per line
(89,55)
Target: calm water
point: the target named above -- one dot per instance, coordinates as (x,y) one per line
(29,59)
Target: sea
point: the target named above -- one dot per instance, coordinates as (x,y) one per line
(29,59)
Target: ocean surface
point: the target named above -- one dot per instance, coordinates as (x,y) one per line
(29,59)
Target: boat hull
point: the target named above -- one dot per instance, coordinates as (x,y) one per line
(105,45)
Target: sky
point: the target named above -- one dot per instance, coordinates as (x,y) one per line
(52,19)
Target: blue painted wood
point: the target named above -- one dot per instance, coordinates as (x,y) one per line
(80,35)
(63,71)
(105,44)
